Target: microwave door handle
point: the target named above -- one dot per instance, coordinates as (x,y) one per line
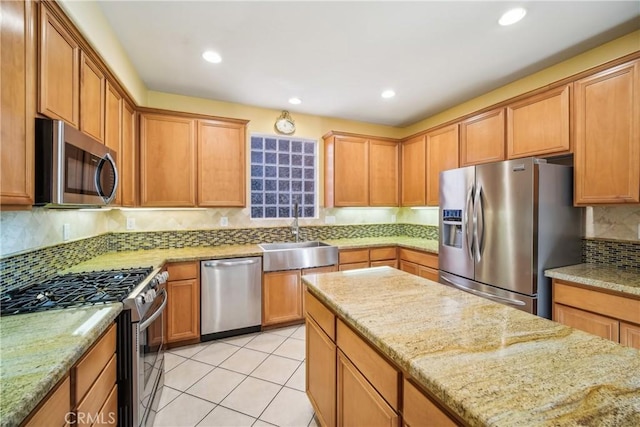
(108,198)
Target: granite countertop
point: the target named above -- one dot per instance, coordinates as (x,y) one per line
(490,364)
(402,241)
(38,350)
(599,276)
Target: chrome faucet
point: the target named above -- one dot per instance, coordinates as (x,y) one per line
(295,227)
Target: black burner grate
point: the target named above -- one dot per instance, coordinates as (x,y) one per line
(73,290)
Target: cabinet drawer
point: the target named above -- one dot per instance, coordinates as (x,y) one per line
(389,263)
(623,308)
(321,314)
(419,410)
(379,254)
(99,393)
(86,371)
(55,407)
(380,373)
(183,270)
(108,415)
(345,267)
(422,258)
(353,256)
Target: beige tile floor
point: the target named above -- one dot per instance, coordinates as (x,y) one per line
(249,380)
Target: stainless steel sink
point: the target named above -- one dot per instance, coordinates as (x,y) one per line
(297,255)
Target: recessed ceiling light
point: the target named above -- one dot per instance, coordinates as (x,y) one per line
(295,101)
(211,56)
(512,16)
(388,94)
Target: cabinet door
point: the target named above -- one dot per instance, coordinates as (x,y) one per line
(55,407)
(18,98)
(482,138)
(428,273)
(351,172)
(630,335)
(281,297)
(359,404)
(419,410)
(442,154)
(409,267)
(321,373)
(59,81)
(92,94)
(113,130)
(314,270)
(539,124)
(168,161)
(221,163)
(183,310)
(413,172)
(595,324)
(128,157)
(383,173)
(607,132)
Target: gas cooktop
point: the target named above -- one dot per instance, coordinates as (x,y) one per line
(73,290)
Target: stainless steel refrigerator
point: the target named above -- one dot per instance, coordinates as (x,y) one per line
(502,224)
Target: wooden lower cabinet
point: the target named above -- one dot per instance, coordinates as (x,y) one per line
(281,297)
(183,302)
(419,410)
(595,324)
(359,404)
(54,409)
(421,264)
(608,315)
(321,373)
(351,259)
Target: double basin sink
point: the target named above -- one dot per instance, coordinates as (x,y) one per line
(297,255)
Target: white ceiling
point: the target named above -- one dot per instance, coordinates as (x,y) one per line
(338,56)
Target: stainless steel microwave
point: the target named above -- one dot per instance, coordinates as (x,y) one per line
(72,169)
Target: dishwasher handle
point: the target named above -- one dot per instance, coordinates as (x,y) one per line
(213,264)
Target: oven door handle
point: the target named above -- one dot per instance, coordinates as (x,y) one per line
(144,325)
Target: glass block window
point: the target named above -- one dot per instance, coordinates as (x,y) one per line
(283,171)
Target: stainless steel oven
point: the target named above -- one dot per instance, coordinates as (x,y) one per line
(150,358)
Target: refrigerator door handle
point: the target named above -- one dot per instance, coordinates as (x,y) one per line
(479,210)
(476,242)
(487,295)
(467,226)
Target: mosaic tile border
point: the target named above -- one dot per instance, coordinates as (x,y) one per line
(624,255)
(43,263)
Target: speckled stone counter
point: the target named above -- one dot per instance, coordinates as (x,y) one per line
(599,276)
(39,349)
(157,257)
(488,363)
(402,241)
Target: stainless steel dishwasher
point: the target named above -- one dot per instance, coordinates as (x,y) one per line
(230,297)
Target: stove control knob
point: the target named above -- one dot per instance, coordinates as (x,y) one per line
(154,283)
(165,276)
(141,300)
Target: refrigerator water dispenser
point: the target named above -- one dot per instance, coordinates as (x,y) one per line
(452,223)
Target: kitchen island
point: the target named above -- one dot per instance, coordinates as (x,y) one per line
(485,363)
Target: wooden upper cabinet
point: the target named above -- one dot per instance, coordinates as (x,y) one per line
(482,138)
(346,171)
(167,160)
(59,70)
(607,134)
(413,172)
(18,98)
(383,173)
(113,130)
(128,158)
(221,163)
(92,98)
(539,125)
(442,154)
